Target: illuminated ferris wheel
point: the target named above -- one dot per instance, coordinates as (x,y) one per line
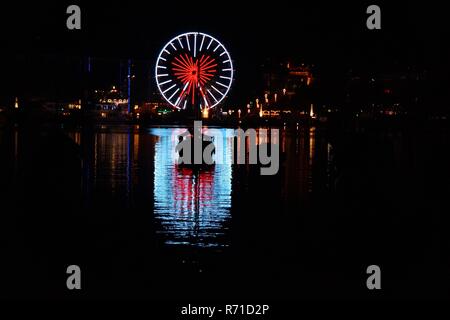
(194,70)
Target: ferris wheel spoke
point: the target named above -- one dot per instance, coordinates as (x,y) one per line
(205,59)
(181,44)
(181,62)
(207,48)
(201,59)
(165,82)
(182,77)
(208,71)
(173,94)
(191,61)
(177,67)
(188,45)
(220,92)
(206,101)
(178,101)
(182,95)
(201,44)
(221,84)
(170,88)
(208,74)
(175,48)
(185,59)
(180,98)
(195,45)
(215,99)
(205,78)
(211,70)
(207,63)
(204,97)
(179,71)
(185,86)
(209,67)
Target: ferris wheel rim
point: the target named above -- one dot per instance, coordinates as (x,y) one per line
(186,34)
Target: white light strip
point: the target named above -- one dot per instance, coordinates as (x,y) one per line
(229,69)
(221,84)
(187,40)
(195,45)
(161,67)
(220,92)
(178,100)
(173,46)
(201,45)
(212,95)
(206,102)
(162,75)
(167,51)
(180,43)
(226,61)
(223,53)
(169,89)
(228,78)
(216,48)
(163,59)
(174,93)
(187,83)
(162,83)
(209,44)
(185,101)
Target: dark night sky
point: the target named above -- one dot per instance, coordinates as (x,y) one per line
(332,36)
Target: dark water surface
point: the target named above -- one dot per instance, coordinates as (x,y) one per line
(111,200)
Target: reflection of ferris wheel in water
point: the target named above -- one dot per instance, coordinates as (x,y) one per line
(194,70)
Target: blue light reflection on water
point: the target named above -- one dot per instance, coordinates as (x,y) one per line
(193,208)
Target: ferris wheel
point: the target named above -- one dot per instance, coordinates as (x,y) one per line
(194,70)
